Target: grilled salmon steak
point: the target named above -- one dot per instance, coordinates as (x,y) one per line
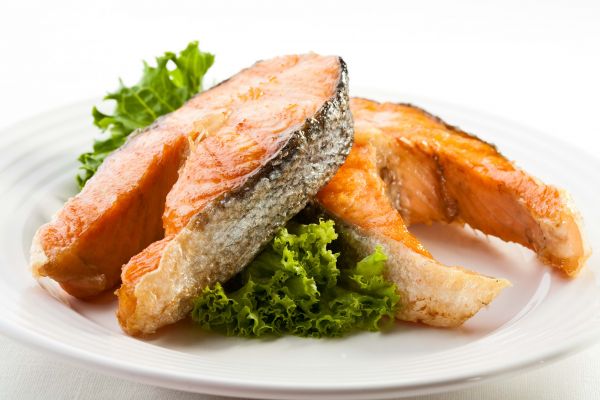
(436,172)
(252,165)
(120,210)
(410,167)
(357,200)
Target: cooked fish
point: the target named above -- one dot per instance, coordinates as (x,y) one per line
(365,217)
(436,172)
(250,169)
(407,167)
(119,211)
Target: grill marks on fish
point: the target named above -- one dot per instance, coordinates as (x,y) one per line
(441,173)
(239,184)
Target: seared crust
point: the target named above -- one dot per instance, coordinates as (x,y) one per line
(220,240)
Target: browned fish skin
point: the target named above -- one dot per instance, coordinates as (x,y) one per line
(225,234)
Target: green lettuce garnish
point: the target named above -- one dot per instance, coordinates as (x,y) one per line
(162,89)
(295,287)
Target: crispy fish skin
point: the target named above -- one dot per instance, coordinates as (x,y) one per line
(222,236)
(430,292)
(436,172)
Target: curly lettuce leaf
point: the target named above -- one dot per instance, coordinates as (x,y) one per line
(162,89)
(296,287)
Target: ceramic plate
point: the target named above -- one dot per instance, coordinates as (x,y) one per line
(541,318)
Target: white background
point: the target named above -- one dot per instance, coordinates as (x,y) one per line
(537,63)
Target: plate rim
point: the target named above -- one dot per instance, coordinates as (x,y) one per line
(224,387)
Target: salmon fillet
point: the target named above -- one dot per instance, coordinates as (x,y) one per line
(407,167)
(436,172)
(365,217)
(119,211)
(117,214)
(250,169)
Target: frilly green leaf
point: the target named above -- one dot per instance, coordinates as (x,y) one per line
(162,89)
(295,287)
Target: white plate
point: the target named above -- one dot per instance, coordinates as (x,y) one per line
(541,318)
